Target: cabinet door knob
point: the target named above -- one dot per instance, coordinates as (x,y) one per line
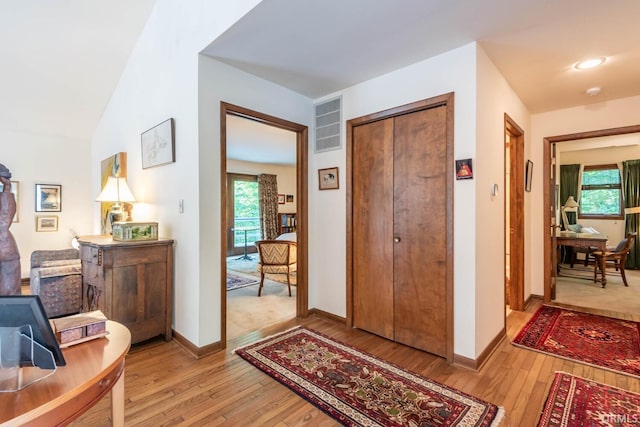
(396,239)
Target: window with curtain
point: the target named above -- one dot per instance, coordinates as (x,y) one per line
(601,192)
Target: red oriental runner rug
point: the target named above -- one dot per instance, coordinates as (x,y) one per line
(577,402)
(358,389)
(600,341)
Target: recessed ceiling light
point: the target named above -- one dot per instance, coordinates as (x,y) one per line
(593,91)
(590,63)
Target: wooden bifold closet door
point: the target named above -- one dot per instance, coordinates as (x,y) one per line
(400,233)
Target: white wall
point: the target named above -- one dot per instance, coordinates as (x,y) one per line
(453,71)
(286,176)
(48,159)
(495,98)
(612,114)
(161,81)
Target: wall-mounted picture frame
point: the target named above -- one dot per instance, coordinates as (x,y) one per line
(464,169)
(15,185)
(158,145)
(281,199)
(47,223)
(289,198)
(328,179)
(528,176)
(48,198)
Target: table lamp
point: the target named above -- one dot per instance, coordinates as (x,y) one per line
(116,190)
(569,206)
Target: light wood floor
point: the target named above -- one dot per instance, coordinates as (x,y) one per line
(164,386)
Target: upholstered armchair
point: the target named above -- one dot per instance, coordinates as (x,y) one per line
(276,257)
(56,276)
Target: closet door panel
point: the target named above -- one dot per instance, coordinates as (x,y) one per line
(372,227)
(420,227)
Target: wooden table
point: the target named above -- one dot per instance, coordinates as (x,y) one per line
(585,243)
(93,369)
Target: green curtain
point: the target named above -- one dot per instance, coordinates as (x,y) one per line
(631,195)
(569,187)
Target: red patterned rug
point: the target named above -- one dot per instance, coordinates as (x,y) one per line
(577,402)
(600,341)
(357,388)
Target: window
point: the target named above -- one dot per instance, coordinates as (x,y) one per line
(601,195)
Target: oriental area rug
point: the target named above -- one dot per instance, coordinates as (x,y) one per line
(235,282)
(600,341)
(358,389)
(577,402)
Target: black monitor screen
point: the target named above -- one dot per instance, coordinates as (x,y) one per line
(20,310)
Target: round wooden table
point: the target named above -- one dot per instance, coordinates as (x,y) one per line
(93,369)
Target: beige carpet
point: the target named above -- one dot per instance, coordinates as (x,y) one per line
(583,292)
(246,312)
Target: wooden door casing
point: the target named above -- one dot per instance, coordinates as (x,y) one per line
(421,215)
(372,230)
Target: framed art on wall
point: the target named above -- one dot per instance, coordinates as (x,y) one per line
(47,223)
(529,176)
(328,179)
(158,145)
(281,199)
(48,198)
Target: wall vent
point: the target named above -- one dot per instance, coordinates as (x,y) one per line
(328,117)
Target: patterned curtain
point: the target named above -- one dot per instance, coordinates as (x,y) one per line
(268,195)
(569,175)
(631,195)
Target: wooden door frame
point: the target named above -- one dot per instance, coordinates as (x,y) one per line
(302,136)
(446,100)
(516,216)
(549,190)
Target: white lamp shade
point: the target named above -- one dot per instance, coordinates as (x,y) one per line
(571,203)
(116,190)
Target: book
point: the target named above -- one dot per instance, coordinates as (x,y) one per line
(80,327)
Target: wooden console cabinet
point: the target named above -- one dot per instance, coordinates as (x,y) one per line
(130,282)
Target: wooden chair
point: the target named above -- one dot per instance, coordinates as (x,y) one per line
(617,256)
(276,257)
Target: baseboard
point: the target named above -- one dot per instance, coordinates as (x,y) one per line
(24,281)
(194,350)
(327,315)
(478,363)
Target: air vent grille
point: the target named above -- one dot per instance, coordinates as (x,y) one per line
(327,127)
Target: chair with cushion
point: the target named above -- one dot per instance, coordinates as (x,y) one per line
(56,276)
(276,257)
(616,256)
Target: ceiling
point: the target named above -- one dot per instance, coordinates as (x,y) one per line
(65,57)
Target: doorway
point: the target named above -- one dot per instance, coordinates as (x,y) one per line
(549,199)
(301,140)
(514,214)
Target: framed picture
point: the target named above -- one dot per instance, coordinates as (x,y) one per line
(14,189)
(328,179)
(528,176)
(464,169)
(158,145)
(281,199)
(48,198)
(289,198)
(47,223)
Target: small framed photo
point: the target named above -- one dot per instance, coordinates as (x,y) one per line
(14,189)
(289,198)
(328,179)
(158,145)
(464,169)
(47,223)
(48,198)
(528,176)
(281,199)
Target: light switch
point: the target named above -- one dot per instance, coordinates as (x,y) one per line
(181,206)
